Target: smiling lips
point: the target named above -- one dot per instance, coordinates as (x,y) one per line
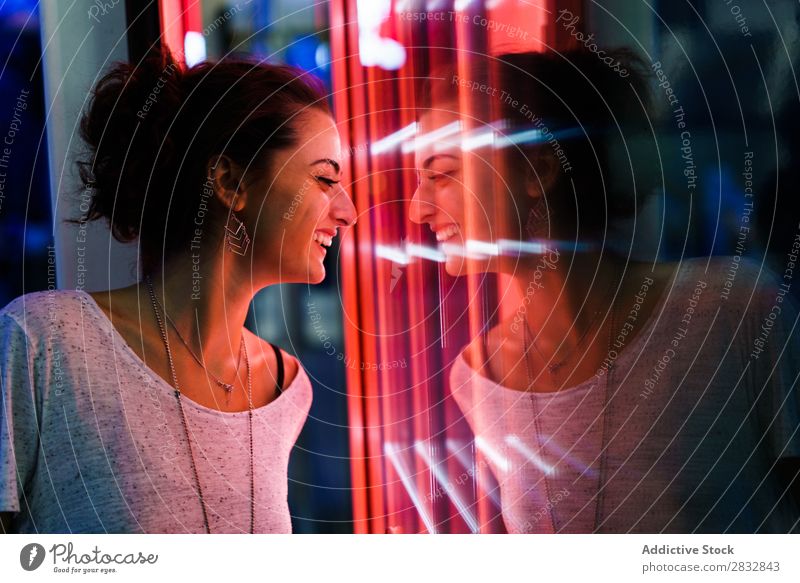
(445,232)
(324,238)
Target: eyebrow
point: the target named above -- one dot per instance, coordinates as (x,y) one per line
(430,159)
(333,163)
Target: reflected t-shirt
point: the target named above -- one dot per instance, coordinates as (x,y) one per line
(700,405)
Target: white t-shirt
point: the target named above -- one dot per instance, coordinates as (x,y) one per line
(92,441)
(702,403)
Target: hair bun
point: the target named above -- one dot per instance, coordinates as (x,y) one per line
(132,109)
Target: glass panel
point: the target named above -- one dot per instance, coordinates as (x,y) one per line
(549,301)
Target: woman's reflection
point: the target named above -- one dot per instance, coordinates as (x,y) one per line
(619,394)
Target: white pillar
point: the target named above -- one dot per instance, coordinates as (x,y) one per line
(80,40)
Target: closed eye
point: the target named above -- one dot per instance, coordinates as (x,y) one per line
(326,181)
(441,175)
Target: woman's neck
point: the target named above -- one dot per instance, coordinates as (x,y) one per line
(207,301)
(564,295)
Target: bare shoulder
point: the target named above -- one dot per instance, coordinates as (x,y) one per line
(121,300)
(267,357)
(473,353)
(102,299)
(501,344)
(121,307)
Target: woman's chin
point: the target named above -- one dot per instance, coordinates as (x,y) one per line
(316,274)
(454,265)
(317,280)
(312,273)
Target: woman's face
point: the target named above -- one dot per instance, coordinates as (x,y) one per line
(455,194)
(304,206)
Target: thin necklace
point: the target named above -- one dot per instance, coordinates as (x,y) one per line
(600,485)
(554,367)
(174,375)
(228,387)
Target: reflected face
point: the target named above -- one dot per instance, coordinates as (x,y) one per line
(305,204)
(454,196)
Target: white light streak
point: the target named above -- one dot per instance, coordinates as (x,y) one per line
(444,482)
(461,251)
(416,250)
(485,248)
(392,140)
(459,450)
(431,137)
(392,254)
(513,247)
(477,140)
(526,137)
(532,456)
(492,454)
(575,463)
(391,451)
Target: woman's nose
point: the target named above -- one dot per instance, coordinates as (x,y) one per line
(421,209)
(342,209)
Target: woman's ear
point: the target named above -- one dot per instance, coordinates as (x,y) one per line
(541,174)
(225,177)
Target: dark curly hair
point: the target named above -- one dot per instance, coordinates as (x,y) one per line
(153,128)
(594,124)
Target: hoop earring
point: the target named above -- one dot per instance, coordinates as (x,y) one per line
(236,237)
(538,220)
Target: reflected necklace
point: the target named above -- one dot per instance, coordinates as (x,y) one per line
(228,387)
(600,485)
(175,384)
(554,367)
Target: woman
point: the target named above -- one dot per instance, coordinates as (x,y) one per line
(151,408)
(614,395)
